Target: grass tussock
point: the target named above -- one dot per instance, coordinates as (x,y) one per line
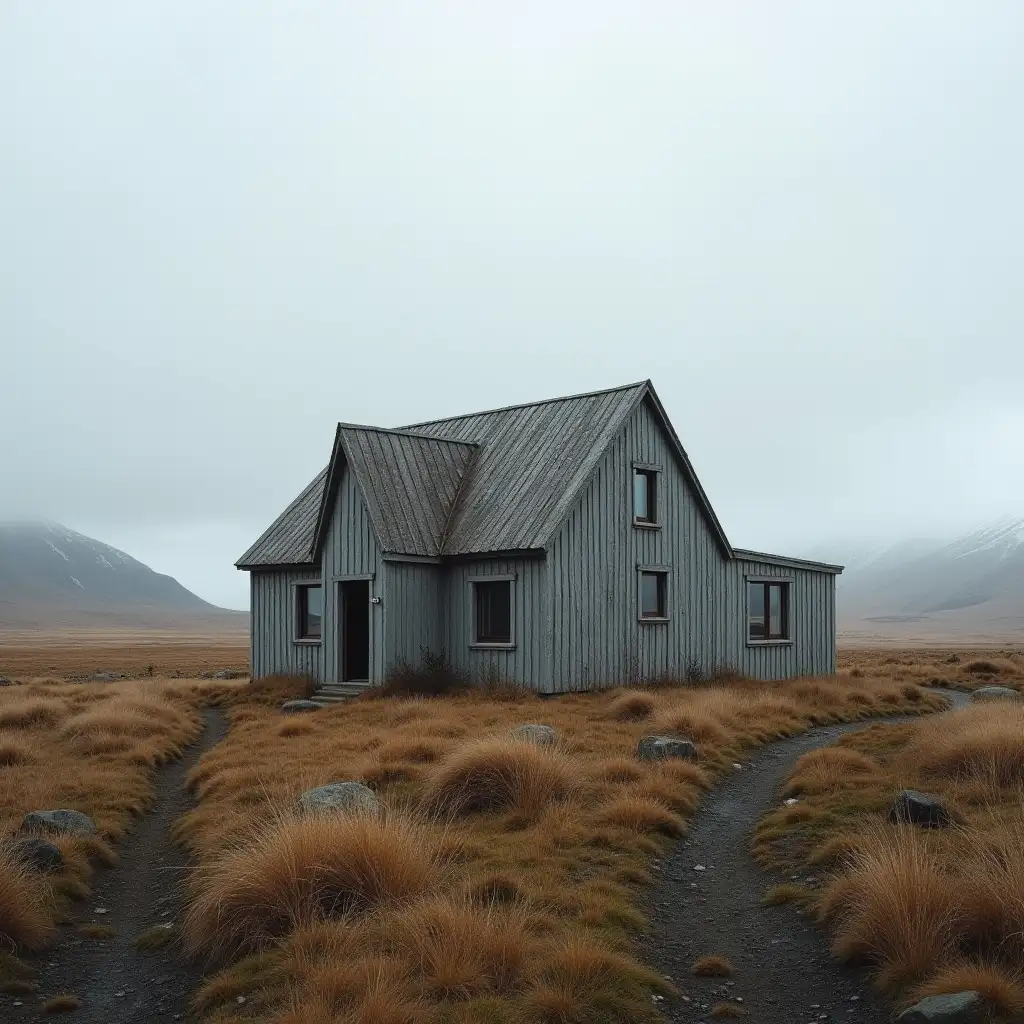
(525,904)
(723,1011)
(713,966)
(95,931)
(62,1004)
(932,910)
(26,915)
(15,749)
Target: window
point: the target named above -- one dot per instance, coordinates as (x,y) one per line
(645,496)
(492,612)
(310,609)
(767,611)
(652,595)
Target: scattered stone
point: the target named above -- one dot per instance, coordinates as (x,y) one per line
(100,910)
(104,677)
(542,735)
(59,821)
(4,681)
(954,1008)
(39,854)
(791,801)
(664,748)
(228,673)
(339,796)
(699,867)
(916,808)
(995,693)
(296,707)
(240,1000)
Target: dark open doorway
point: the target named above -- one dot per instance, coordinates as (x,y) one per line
(355,631)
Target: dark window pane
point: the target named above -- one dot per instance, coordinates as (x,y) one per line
(755,611)
(493,612)
(775,611)
(652,595)
(641,496)
(310,612)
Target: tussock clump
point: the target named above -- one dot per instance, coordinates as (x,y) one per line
(295,727)
(15,749)
(641,814)
(894,904)
(500,775)
(30,712)
(713,966)
(828,769)
(694,722)
(297,870)
(982,666)
(632,707)
(62,1004)
(1001,987)
(25,906)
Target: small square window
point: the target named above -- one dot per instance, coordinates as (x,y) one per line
(767,611)
(652,595)
(645,496)
(309,612)
(492,612)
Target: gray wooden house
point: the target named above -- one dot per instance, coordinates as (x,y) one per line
(565,544)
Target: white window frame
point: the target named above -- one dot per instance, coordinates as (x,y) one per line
(499,577)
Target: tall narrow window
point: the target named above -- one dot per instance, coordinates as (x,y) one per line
(652,595)
(645,496)
(767,611)
(309,612)
(492,612)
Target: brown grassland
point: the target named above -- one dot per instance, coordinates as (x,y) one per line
(501,882)
(933,910)
(91,748)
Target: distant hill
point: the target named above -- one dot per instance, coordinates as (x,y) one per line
(972,585)
(53,577)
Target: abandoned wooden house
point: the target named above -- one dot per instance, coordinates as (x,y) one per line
(565,544)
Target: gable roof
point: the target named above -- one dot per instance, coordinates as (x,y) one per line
(497,481)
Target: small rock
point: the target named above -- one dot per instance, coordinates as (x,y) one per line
(4,681)
(228,673)
(296,707)
(59,821)
(104,677)
(664,748)
(919,809)
(995,693)
(738,767)
(542,735)
(39,854)
(240,1000)
(100,910)
(791,801)
(699,867)
(955,1008)
(339,796)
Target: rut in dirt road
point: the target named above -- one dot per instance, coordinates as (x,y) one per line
(783,971)
(114,982)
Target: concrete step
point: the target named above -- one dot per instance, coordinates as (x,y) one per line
(333,693)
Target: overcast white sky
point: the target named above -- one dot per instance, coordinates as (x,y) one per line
(226,225)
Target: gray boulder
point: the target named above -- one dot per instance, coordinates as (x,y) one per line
(104,677)
(38,854)
(914,808)
(542,735)
(298,707)
(995,693)
(228,673)
(955,1008)
(339,796)
(72,822)
(665,748)
(4,681)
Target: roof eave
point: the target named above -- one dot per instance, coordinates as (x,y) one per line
(745,554)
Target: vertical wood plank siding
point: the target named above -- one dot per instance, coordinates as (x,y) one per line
(413,612)
(350,549)
(273,627)
(596,639)
(527,663)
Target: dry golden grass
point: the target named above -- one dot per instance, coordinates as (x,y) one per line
(531,858)
(90,748)
(963,668)
(712,966)
(931,908)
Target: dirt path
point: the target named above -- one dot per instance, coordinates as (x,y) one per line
(783,971)
(115,982)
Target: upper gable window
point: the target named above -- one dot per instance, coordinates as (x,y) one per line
(645,496)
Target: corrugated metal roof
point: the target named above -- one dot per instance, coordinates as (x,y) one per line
(506,484)
(289,539)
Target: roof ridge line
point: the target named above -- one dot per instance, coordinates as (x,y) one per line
(402,431)
(528,405)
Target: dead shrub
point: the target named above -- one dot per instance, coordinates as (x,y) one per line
(294,870)
(499,774)
(435,676)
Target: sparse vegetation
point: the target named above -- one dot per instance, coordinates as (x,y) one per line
(712,966)
(62,1004)
(95,931)
(934,910)
(506,875)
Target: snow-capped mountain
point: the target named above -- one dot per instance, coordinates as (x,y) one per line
(977,578)
(51,575)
